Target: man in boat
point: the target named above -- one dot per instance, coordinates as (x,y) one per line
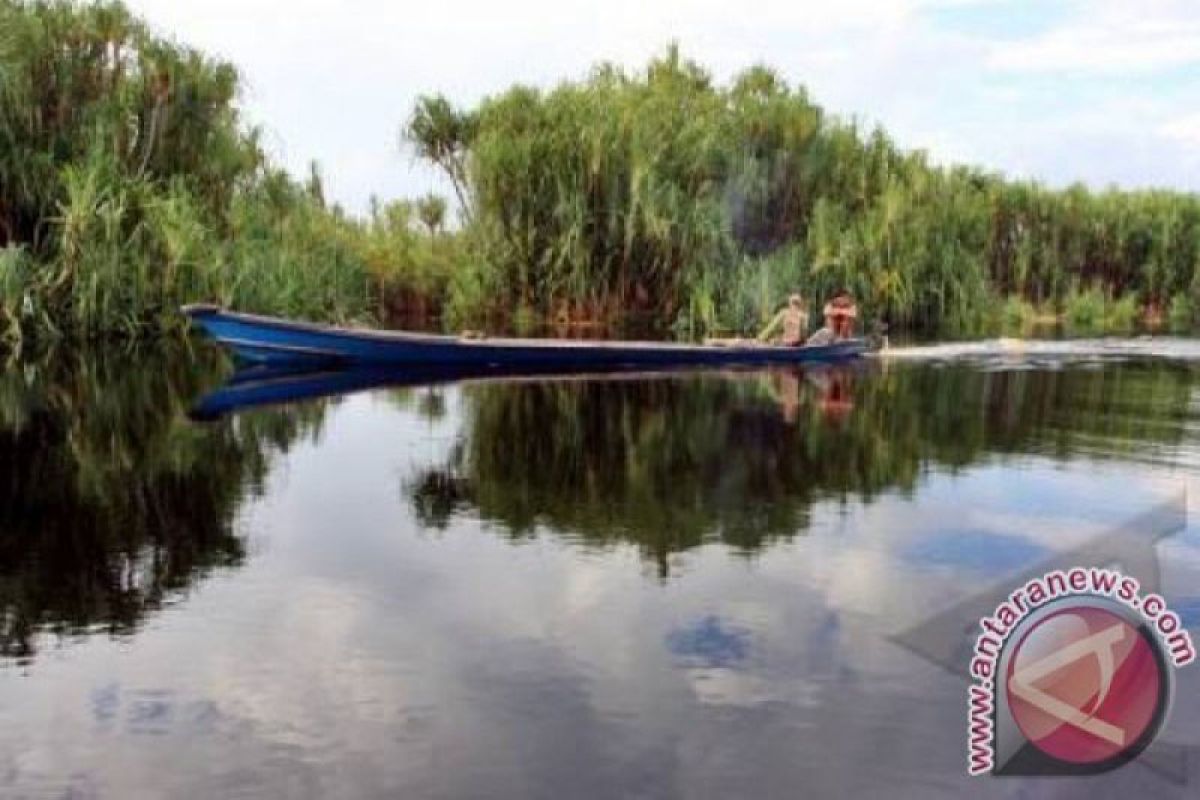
(840,314)
(791,320)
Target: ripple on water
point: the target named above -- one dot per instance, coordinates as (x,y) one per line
(1050,353)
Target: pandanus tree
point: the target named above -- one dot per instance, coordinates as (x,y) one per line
(664,190)
(431,209)
(81,79)
(129,185)
(442,134)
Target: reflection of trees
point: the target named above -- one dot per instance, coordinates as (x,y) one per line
(110,499)
(671,463)
(1131,411)
(667,463)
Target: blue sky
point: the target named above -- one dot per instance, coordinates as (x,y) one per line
(1100,91)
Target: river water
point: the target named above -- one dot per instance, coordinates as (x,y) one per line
(710,584)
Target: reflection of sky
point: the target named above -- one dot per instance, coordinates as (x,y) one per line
(709,642)
(357,654)
(973,550)
(1188,609)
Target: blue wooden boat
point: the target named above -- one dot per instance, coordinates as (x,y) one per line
(270,340)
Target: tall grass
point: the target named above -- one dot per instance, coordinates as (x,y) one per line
(1181,313)
(662,191)
(129,185)
(1092,311)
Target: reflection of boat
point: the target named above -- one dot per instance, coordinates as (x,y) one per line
(263,385)
(277,341)
(266,384)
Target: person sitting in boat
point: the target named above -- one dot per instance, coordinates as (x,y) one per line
(842,311)
(791,320)
(840,314)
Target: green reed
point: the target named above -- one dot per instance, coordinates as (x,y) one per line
(129,186)
(662,191)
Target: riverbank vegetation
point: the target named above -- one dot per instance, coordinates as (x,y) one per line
(664,192)
(129,184)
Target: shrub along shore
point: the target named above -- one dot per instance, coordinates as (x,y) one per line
(129,185)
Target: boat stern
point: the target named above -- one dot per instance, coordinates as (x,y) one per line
(198,310)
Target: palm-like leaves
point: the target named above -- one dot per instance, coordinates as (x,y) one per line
(664,191)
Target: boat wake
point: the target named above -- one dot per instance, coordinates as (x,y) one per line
(1043,353)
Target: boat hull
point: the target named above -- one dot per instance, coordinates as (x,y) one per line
(270,340)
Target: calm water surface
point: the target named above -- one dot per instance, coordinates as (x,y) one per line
(697,585)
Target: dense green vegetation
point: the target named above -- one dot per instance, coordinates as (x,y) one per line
(129,185)
(705,204)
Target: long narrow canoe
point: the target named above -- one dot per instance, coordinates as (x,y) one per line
(270,340)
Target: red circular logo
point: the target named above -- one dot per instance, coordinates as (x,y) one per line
(1085,685)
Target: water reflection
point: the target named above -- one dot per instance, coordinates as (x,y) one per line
(113,503)
(709,642)
(667,462)
(677,461)
(663,586)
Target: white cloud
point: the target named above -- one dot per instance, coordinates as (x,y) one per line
(334,82)
(1185,130)
(1182,135)
(1109,37)
(1105,48)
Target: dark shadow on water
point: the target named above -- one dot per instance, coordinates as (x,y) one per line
(674,463)
(115,502)
(264,385)
(112,501)
(667,463)
(672,460)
